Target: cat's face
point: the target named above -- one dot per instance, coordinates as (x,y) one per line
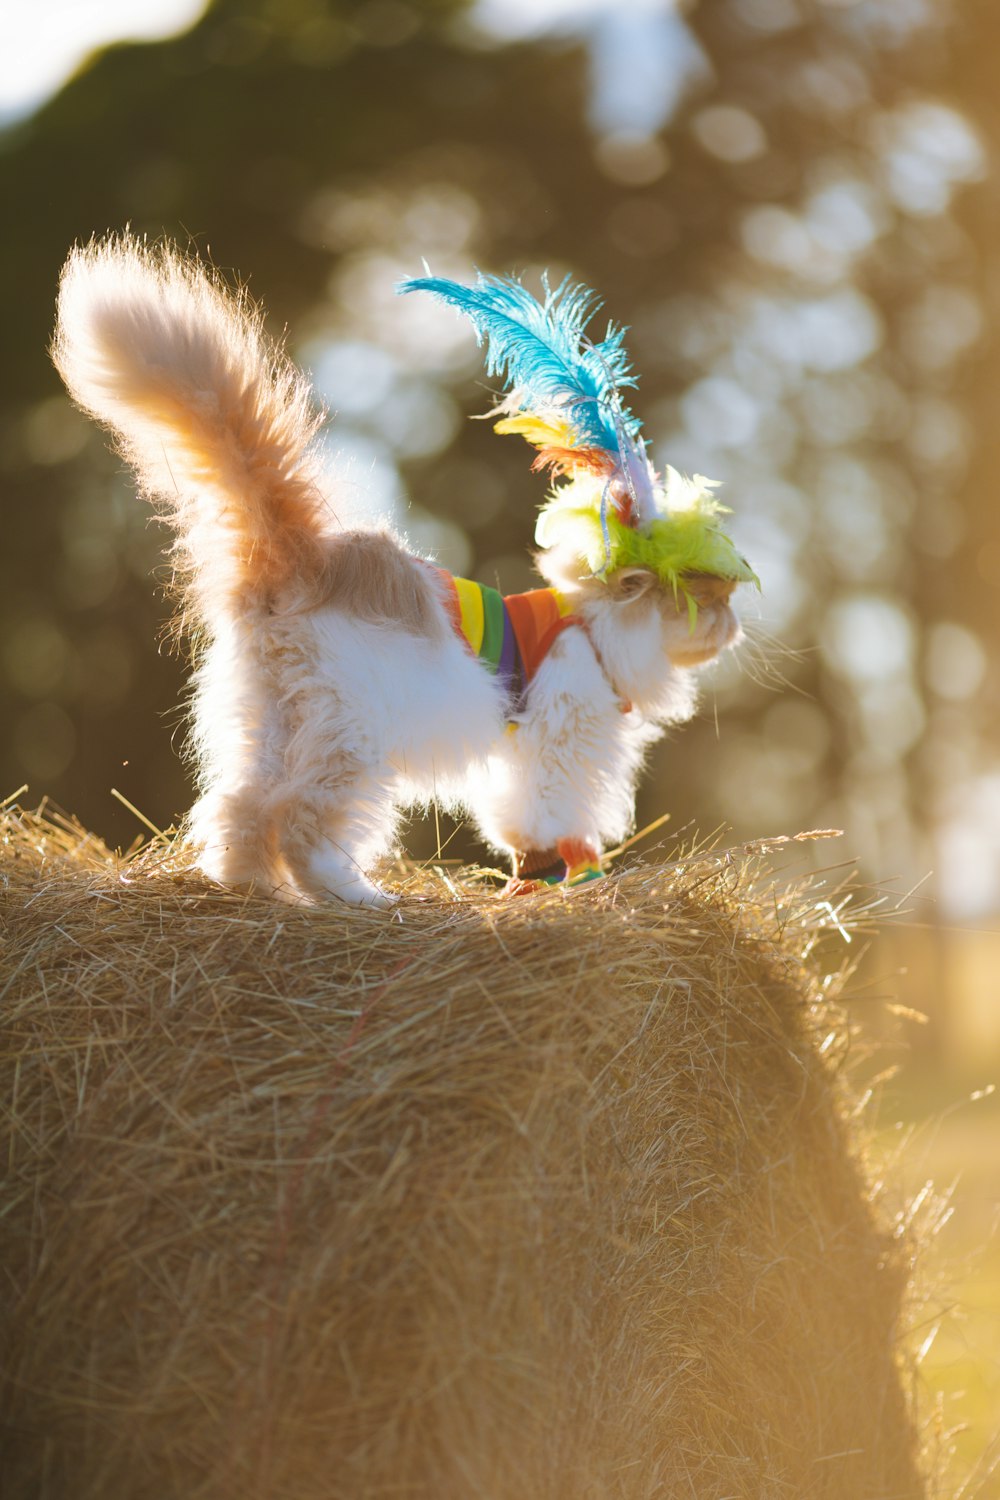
(637,597)
(715,627)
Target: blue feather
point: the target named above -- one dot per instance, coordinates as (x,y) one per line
(540,349)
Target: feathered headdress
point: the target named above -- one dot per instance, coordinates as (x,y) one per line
(607,502)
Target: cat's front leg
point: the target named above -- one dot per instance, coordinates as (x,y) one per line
(570,861)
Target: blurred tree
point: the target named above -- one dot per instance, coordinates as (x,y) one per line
(764,191)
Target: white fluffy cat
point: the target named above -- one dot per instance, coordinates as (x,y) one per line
(333,688)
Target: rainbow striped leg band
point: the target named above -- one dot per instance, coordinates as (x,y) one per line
(571,862)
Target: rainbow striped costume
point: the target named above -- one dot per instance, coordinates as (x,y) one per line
(510,633)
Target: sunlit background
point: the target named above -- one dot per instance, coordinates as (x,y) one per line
(790,202)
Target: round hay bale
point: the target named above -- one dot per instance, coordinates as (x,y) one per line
(542,1200)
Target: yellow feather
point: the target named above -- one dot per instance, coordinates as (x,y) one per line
(538,430)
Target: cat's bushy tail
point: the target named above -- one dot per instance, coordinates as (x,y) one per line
(217,422)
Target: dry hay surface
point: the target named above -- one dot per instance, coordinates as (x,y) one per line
(551,1199)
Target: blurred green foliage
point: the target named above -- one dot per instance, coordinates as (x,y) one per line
(808,279)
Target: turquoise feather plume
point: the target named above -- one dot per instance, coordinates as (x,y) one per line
(541,350)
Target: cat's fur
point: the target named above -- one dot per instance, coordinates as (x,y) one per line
(332,689)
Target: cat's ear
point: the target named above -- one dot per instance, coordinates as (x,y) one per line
(632,583)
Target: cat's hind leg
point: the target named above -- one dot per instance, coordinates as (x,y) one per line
(236,742)
(330,831)
(235,837)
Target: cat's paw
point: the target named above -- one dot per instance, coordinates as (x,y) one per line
(518,887)
(374,897)
(334,877)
